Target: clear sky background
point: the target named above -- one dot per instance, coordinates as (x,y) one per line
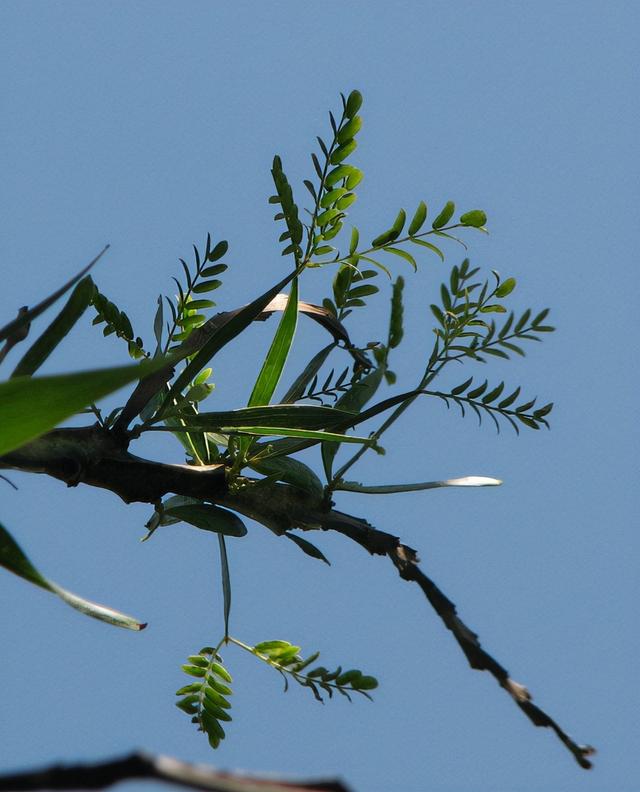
(148,124)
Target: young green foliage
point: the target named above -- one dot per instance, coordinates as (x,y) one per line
(206,699)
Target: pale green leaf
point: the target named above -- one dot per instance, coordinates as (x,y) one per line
(13,559)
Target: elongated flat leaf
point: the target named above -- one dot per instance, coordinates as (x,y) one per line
(273,365)
(295,416)
(304,434)
(238,322)
(57,330)
(209,518)
(386,489)
(13,559)
(30,406)
(29,315)
(226,582)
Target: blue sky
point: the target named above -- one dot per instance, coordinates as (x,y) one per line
(147,125)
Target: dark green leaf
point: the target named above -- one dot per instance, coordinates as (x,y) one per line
(542,411)
(206,286)
(461,388)
(209,518)
(540,318)
(210,272)
(524,407)
(362,291)
(476,392)
(30,406)
(509,400)
(57,330)
(527,421)
(523,321)
(295,416)
(493,395)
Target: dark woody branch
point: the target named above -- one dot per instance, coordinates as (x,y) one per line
(146,767)
(95,456)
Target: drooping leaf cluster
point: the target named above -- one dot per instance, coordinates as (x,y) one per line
(206,700)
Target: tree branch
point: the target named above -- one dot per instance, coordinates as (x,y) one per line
(94,456)
(405,560)
(143,766)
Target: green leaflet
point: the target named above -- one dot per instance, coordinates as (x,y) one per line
(386,489)
(41,349)
(445,215)
(418,219)
(476,218)
(30,406)
(13,559)
(278,352)
(353,104)
(209,518)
